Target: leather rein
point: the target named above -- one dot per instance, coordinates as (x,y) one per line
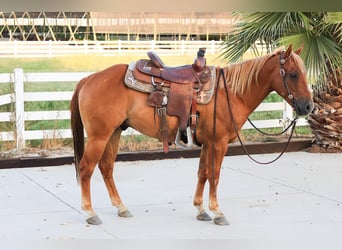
(292,125)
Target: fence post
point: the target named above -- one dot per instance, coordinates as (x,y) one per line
(50,48)
(15,51)
(85,46)
(183,47)
(212,47)
(153,45)
(119,46)
(287,115)
(19,107)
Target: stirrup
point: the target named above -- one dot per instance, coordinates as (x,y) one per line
(189,137)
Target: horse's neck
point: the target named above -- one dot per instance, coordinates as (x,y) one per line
(254,98)
(249,83)
(254,87)
(250,100)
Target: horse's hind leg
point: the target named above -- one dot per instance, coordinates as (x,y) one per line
(92,154)
(106,166)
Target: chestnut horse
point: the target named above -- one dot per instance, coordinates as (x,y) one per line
(103,106)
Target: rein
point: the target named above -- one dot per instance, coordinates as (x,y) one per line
(272,134)
(292,124)
(214,130)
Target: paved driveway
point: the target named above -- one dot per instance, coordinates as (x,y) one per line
(298,196)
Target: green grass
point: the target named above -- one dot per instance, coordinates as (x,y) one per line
(80,63)
(49,86)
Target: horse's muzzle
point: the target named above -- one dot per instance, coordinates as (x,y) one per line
(303,106)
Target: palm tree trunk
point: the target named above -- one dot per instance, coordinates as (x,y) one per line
(326,119)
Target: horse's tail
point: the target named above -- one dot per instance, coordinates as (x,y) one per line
(77,129)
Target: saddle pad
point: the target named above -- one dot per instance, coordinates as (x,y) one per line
(133,83)
(203,97)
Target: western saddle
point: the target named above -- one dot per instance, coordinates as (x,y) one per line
(174,92)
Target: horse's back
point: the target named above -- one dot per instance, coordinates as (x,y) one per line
(104,85)
(106,78)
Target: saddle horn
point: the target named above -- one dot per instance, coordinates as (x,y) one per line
(200,61)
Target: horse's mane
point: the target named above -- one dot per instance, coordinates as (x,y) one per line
(240,76)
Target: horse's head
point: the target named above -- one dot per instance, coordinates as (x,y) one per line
(290,82)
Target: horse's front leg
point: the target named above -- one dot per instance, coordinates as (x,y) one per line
(214,170)
(202,176)
(210,172)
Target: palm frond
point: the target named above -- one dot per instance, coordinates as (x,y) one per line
(264,27)
(317,52)
(333,25)
(334,17)
(320,32)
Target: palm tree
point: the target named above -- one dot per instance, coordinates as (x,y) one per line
(321,35)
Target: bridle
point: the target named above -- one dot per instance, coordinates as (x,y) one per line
(282,72)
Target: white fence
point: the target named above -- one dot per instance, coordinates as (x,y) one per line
(20,135)
(61,48)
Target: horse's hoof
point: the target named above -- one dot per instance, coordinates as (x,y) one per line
(221,221)
(203,217)
(94,220)
(126,214)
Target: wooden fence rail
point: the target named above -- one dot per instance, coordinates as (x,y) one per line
(20,135)
(62,48)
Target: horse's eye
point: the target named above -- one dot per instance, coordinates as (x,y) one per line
(294,75)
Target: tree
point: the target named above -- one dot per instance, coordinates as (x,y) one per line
(321,35)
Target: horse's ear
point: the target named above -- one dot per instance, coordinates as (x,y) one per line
(300,49)
(288,51)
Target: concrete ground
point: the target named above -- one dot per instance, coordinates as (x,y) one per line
(299,196)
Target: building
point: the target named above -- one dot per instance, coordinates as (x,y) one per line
(72,26)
